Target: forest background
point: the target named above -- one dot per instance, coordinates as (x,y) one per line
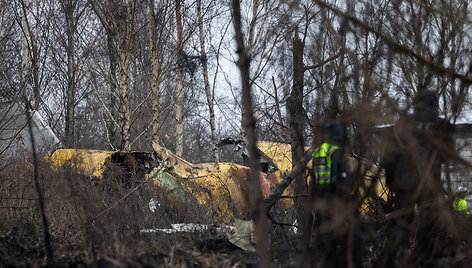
(120,75)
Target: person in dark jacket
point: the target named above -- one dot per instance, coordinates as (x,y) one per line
(412,159)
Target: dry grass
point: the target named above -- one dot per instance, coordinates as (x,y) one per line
(94,222)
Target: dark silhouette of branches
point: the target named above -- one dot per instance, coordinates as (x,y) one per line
(397,46)
(249,123)
(39,191)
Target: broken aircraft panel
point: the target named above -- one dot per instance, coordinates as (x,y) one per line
(221,188)
(87,162)
(94,163)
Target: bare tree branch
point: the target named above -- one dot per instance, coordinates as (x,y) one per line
(249,123)
(434,66)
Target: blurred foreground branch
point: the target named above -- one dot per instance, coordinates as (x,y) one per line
(257,203)
(47,238)
(298,170)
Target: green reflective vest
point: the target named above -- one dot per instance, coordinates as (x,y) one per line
(322,163)
(460,204)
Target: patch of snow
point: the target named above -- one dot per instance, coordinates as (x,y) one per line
(153,205)
(190,228)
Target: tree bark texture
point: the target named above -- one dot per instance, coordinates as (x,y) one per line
(155,73)
(25,57)
(124,41)
(33,51)
(112,55)
(179,129)
(69,7)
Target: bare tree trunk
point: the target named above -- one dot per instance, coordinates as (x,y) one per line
(155,73)
(25,58)
(34,52)
(68,8)
(257,203)
(250,43)
(209,95)
(119,19)
(296,118)
(35,61)
(179,131)
(124,62)
(111,126)
(125,104)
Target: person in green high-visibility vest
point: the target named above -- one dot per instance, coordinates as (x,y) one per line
(460,204)
(330,195)
(330,162)
(323,164)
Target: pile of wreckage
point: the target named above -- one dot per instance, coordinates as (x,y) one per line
(221,188)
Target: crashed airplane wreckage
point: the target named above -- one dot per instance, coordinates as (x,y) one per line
(220,188)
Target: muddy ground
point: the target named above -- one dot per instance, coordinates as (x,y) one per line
(25,248)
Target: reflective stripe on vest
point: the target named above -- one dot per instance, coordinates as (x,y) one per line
(322,163)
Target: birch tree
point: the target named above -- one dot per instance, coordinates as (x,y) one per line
(31,30)
(155,80)
(8,36)
(24,53)
(120,20)
(209,94)
(179,117)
